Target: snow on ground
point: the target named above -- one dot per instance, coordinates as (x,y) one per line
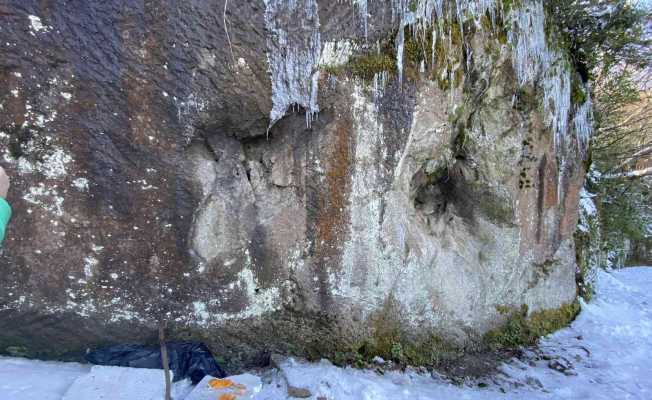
(604,354)
(22,379)
(116,383)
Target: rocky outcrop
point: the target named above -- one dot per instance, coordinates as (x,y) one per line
(260,177)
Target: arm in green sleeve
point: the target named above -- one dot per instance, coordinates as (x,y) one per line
(5,214)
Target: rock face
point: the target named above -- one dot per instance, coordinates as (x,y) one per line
(246,172)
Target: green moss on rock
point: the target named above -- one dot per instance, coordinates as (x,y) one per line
(389,341)
(367,66)
(578,94)
(523,330)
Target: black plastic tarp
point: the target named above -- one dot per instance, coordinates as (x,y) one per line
(187,360)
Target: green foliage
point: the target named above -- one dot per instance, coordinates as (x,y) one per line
(607,42)
(521,330)
(602,33)
(625,212)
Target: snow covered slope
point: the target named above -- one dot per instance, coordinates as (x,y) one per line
(604,354)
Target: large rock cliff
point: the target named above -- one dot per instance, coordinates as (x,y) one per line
(295,176)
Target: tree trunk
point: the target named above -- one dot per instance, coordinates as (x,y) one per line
(165,361)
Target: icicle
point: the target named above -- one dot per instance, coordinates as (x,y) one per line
(293,59)
(364,11)
(400,43)
(434,47)
(379,82)
(560,179)
(583,123)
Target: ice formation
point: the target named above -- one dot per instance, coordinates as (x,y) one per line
(293,59)
(534,61)
(583,123)
(363,10)
(422,15)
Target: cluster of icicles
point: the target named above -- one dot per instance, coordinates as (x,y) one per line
(295,70)
(534,61)
(293,59)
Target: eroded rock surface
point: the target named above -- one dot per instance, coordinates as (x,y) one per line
(158,176)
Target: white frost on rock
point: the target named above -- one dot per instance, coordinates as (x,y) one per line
(293,56)
(46,198)
(36,26)
(336,53)
(80,184)
(54,164)
(25,166)
(90,263)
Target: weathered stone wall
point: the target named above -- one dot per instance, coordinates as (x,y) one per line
(156,176)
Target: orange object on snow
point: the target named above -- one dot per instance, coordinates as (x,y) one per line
(227,396)
(220,384)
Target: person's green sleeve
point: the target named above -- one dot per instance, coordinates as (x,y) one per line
(5,214)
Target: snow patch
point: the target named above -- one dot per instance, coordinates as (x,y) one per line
(22,379)
(116,383)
